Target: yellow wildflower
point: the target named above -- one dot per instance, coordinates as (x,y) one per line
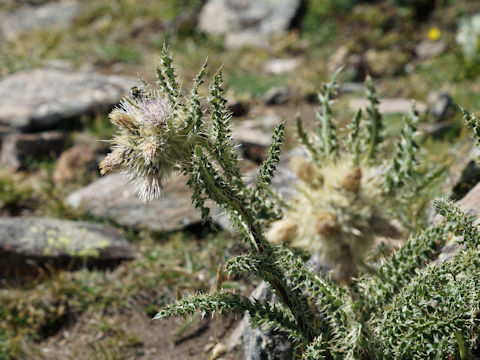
(433,33)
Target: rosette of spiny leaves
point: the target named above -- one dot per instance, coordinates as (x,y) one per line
(324,318)
(345,194)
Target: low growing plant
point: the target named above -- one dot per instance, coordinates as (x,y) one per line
(404,308)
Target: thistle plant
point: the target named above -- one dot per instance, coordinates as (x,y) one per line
(405,309)
(345,196)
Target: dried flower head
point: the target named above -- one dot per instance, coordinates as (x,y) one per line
(325,224)
(352,180)
(150,148)
(337,218)
(306,171)
(123,119)
(282,231)
(112,162)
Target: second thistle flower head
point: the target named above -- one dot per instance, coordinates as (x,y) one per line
(148,146)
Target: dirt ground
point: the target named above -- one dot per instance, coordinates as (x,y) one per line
(146,339)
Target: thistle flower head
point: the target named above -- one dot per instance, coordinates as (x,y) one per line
(336,218)
(306,171)
(148,147)
(112,162)
(123,119)
(154,110)
(282,231)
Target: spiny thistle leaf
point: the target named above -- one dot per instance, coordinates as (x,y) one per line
(404,165)
(221,126)
(374,121)
(398,270)
(223,301)
(353,142)
(473,123)
(463,222)
(269,165)
(326,129)
(438,304)
(194,110)
(315,350)
(250,264)
(195,182)
(327,296)
(312,151)
(168,80)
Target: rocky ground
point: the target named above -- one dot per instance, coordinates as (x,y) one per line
(84,264)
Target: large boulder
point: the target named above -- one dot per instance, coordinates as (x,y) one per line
(27,241)
(390,105)
(45,98)
(255,135)
(55,14)
(113,197)
(430,49)
(247,22)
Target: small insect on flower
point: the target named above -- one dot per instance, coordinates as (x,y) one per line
(136,92)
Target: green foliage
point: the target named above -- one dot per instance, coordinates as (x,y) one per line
(374,120)
(273,157)
(406,307)
(15,196)
(252,83)
(319,22)
(473,123)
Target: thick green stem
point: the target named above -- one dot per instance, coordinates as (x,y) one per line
(262,246)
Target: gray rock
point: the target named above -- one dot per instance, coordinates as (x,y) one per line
(44,98)
(17,149)
(255,135)
(113,197)
(463,174)
(55,14)
(27,241)
(277,95)
(265,343)
(440,105)
(281,66)
(390,106)
(351,87)
(430,49)
(247,22)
